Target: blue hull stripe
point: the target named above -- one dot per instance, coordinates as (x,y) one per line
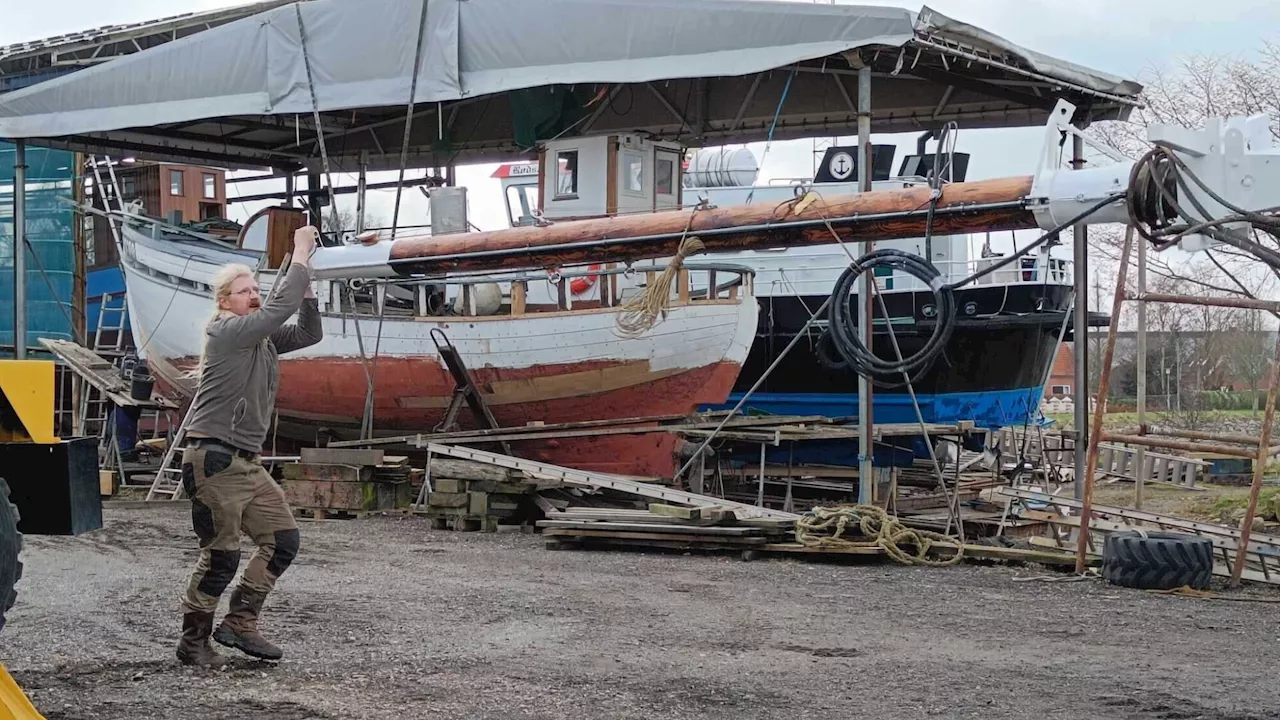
(992,410)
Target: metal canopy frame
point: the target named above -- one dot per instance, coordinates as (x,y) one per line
(28,63)
(930,81)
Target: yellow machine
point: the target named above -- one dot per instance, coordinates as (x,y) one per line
(26,416)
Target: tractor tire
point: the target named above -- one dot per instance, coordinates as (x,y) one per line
(1158,561)
(10,547)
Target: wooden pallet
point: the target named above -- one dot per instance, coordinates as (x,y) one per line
(309,513)
(463,523)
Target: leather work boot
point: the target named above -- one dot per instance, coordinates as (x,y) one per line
(194,647)
(239,629)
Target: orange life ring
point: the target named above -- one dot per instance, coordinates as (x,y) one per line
(580,285)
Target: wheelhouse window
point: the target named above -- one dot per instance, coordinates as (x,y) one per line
(567,174)
(175,182)
(633,173)
(664,174)
(210,186)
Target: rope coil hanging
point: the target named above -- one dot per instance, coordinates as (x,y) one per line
(640,313)
(832,527)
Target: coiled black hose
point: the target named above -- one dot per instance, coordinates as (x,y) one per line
(843,314)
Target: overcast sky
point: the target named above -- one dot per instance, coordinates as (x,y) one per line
(1123,37)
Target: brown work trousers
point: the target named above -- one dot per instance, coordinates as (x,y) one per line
(230,494)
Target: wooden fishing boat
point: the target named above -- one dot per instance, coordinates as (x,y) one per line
(532,362)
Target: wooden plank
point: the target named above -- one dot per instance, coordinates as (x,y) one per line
(705,512)
(1192,526)
(797,548)
(660,537)
(569,541)
(448,485)
(466,470)
(1003,553)
(353,496)
(483,503)
(342,456)
(519,291)
(329,473)
(419,438)
(440,499)
(102,375)
(621,527)
(478,503)
(506,488)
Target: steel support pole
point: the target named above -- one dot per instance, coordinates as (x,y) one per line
(1080,240)
(1084,479)
(289,189)
(20,250)
(1140,460)
(361,189)
(866,448)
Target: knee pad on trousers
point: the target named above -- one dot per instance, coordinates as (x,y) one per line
(287,542)
(222,568)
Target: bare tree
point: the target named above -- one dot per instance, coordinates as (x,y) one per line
(346,221)
(1247,351)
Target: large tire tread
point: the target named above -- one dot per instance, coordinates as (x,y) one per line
(10,552)
(1159,561)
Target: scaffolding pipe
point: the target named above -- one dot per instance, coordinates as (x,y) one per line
(1226,302)
(865,447)
(1188,446)
(1250,440)
(1080,337)
(20,250)
(1104,379)
(1139,489)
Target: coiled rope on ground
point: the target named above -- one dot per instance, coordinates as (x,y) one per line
(832,527)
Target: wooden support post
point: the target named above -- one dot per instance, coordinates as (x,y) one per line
(519,291)
(760,490)
(1259,468)
(1095,430)
(682,285)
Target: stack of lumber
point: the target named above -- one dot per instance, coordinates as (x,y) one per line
(466,495)
(663,526)
(329,482)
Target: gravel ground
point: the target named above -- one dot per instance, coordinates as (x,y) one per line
(384,618)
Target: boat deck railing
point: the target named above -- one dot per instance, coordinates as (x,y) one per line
(505,294)
(1030,270)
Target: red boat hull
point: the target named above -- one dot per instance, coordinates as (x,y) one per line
(411,395)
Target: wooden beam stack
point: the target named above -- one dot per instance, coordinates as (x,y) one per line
(472,496)
(664,526)
(347,483)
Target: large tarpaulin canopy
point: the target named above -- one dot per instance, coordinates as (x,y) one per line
(496,75)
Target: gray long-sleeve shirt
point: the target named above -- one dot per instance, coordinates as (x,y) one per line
(242,370)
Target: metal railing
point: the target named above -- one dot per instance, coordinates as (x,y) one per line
(609,286)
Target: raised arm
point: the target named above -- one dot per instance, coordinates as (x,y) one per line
(246,330)
(305,333)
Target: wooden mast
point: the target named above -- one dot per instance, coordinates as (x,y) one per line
(997,204)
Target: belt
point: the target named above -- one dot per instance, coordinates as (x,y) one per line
(211,443)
